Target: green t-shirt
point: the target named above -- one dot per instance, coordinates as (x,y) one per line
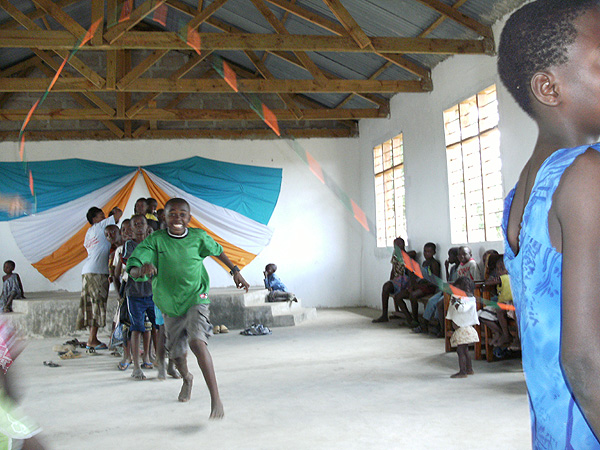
(181,276)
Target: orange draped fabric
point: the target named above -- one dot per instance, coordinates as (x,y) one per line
(73,252)
(238,256)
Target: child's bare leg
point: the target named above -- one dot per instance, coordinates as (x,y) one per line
(504,338)
(160,353)
(9,302)
(468,366)
(399,300)
(462,351)
(134,348)
(386,291)
(171,370)
(496,331)
(200,350)
(186,389)
(146,340)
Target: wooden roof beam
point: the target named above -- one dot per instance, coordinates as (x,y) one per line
(280,29)
(18,67)
(142,67)
(258,133)
(311,17)
(136,16)
(37,14)
(98,16)
(44,39)
(179,115)
(65,84)
(348,22)
(457,16)
(61,17)
(440,19)
(204,14)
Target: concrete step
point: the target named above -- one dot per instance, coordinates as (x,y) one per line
(54,313)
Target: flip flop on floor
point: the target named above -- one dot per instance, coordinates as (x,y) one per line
(51,364)
(101,346)
(123,366)
(147,366)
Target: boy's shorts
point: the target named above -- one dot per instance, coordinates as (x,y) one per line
(400,283)
(139,308)
(194,324)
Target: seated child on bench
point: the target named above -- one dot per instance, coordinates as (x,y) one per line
(277,290)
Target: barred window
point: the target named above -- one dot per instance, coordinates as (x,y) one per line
(389,191)
(474,168)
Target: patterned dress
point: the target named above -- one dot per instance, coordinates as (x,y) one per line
(535,272)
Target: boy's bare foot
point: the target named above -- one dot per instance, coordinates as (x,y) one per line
(137,374)
(503,341)
(162,372)
(380,319)
(186,389)
(459,375)
(173,372)
(217,411)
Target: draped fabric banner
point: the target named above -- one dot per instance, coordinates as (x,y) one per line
(232,202)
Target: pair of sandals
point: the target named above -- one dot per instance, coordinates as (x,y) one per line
(220,329)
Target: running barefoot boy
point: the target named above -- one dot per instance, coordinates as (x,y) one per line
(174,258)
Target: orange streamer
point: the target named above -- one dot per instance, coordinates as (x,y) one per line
(237,255)
(73,252)
(160,15)
(126,11)
(193,40)
(230,76)
(270,119)
(360,215)
(315,167)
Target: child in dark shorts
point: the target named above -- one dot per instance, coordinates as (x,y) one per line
(174,258)
(139,302)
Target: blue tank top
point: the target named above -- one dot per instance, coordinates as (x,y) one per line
(535,272)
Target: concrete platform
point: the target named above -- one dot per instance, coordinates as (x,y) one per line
(338,382)
(50,314)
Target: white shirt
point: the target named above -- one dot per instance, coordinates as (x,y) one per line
(463,312)
(97,248)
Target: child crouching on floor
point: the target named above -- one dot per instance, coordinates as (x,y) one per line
(462,311)
(11,287)
(277,290)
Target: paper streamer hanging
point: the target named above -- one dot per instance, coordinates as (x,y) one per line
(84,39)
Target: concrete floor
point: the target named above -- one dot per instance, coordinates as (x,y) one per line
(338,382)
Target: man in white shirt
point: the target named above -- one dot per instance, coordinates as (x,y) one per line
(95,283)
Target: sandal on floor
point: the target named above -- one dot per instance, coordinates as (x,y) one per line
(223,329)
(51,364)
(147,366)
(123,366)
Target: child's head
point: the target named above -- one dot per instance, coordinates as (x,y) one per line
(139,226)
(95,215)
(270,268)
(465,284)
(160,215)
(126,233)
(500,267)
(9,266)
(152,205)
(429,250)
(464,254)
(112,234)
(177,215)
(453,255)
(141,206)
(399,242)
(536,40)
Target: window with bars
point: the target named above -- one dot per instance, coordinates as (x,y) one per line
(389,191)
(474,168)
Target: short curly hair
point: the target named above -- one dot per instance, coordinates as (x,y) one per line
(534,38)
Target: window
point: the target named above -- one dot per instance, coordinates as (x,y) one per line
(474,168)
(389,191)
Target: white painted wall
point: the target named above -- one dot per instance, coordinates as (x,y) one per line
(316,243)
(420,118)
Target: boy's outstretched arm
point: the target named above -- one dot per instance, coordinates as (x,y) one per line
(577,207)
(238,279)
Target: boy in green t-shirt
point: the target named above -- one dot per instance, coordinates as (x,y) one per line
(174,258)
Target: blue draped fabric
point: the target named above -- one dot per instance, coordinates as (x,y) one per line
(249,190)
(57,182)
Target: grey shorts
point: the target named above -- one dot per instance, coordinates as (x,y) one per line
(194,324)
